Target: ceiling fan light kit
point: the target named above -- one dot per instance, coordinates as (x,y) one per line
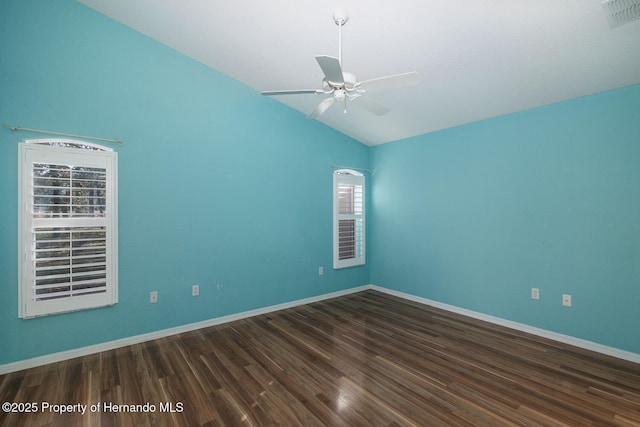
(343,86)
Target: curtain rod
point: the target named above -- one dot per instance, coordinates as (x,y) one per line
(17,128)
(349,167)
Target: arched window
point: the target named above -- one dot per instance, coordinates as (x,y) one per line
(68,226)
(348,218)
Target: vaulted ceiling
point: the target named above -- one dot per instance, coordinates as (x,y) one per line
(477,58)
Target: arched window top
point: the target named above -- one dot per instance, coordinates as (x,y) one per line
(68,143)
(348,172)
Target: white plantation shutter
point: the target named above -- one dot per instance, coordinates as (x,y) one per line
(348,219)
(68,227)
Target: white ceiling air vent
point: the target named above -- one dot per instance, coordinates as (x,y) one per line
(621,12)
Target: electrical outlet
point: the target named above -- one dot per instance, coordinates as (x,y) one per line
(535,293)
(195,290)
(320,271)
(566,300)
(153,297)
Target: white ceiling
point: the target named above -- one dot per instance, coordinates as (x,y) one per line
(477,58)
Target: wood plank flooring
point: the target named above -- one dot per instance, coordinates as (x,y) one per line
(366,359)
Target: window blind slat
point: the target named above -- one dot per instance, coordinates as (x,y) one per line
(70,256)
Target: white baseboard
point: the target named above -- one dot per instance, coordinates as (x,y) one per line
(566,339)
(110,345)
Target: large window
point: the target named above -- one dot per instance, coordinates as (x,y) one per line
(67,225)
(348,219)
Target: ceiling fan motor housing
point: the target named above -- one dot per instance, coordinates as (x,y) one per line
(349,83)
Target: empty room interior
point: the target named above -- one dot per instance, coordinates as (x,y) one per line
(319,213)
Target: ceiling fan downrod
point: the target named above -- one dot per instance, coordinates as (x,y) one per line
(340,17)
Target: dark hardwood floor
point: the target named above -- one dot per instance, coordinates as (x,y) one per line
(366,359)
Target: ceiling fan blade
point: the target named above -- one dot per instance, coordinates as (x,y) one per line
(331,69)
(391,82)
(290,92)
(321,108)
(370,105)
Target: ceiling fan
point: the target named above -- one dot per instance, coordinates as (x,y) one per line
(344,87)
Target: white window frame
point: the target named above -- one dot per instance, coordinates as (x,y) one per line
(66,153)
(343,258)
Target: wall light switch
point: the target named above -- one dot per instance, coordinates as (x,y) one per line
(566,300)
(195,290)
(153,297)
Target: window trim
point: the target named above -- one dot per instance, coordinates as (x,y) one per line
(341,177)
(72,153)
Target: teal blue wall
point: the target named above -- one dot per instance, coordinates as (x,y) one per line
(477,215)
(218,185)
